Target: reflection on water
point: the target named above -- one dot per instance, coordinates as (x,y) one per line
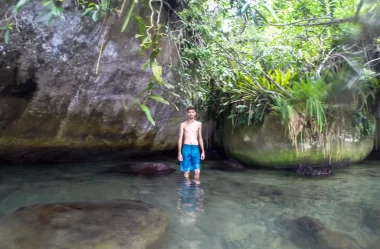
(251,210)
(190,198)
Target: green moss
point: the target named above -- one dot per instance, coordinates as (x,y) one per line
(292,158)
(86,132)
(267,145)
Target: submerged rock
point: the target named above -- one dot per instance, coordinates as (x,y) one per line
(372,218)
(228,165)
(244,236)
(313,172)
(306,232)
(375,245)
(268,145)
(142,168)
(56,108)
(118,224)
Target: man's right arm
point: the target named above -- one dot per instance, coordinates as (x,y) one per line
(180,142)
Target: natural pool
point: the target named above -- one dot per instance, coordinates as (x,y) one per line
(253,209)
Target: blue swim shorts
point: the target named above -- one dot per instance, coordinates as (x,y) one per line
(191,158)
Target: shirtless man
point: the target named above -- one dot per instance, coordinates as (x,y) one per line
(188,153)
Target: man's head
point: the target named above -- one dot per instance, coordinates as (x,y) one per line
(191,112)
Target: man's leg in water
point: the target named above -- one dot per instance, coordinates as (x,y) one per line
(196,162)
(186,174)
(197,173)
(186,161)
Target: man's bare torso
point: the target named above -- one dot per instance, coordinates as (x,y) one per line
(190,132)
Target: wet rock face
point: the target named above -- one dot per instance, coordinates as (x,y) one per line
(114,224)
(55,108)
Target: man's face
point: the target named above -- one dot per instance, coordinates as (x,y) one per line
(191,114)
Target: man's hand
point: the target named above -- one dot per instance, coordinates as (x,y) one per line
(180,158)
(202,156)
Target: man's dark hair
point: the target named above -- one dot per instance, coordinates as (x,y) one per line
(190,108)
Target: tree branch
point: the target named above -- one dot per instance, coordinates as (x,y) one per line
(358,10)
(332,22)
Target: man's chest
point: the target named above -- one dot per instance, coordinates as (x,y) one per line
(191,128)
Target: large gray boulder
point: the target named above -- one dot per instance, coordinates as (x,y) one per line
(55,108)
(118,224)
(268,145)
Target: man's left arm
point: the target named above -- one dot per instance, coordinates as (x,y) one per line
(200,138)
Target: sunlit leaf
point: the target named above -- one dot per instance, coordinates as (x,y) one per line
(167,85)
(154,54)
(6,36)
(21,4)
(270,10)
(128,17)
(95,15)
(241,106)
(158,98)
(157,71)
(87,11)
(105,5)
(49,18)
(145,65)
(254,18)
(47,3)
(147,113)
(244,8)
(175,107)
(141,24)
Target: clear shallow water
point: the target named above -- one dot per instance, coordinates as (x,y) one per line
(224,210)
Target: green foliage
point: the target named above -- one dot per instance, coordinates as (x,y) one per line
(55,9)
(21,4)
(252,58)
(310,97)
(366,125)
(284,79)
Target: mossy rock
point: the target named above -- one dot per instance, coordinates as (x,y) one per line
(267,145)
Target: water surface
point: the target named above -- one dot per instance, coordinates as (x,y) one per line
(222,210)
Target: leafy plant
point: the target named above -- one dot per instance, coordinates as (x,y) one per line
(6,30)
(55,9)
